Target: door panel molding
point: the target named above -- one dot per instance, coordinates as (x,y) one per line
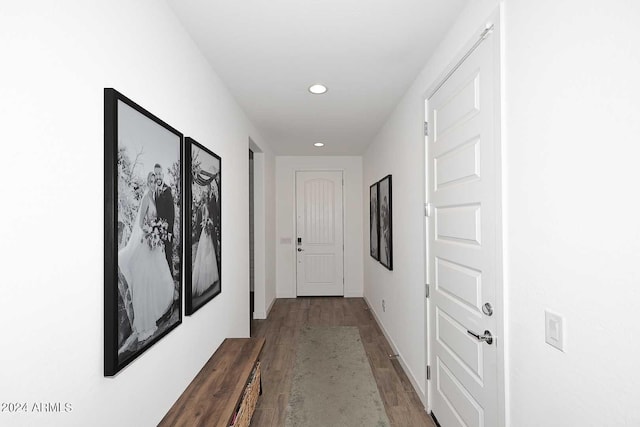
(319,248)
(465,237)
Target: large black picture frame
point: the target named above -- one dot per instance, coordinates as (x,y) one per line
(374,217)
(142,281)
(385,222)
(203,213)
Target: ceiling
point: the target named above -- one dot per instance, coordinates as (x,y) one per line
(367,52)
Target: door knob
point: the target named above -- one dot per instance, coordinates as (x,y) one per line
(300,249)
(487,337)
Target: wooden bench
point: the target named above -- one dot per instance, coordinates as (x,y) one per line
(216,393)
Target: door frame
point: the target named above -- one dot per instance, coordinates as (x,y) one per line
(295,224)
(496,40)
(261,311)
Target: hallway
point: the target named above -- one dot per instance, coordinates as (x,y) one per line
(281,331)
(235,76)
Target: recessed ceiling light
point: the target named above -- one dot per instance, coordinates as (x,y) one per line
(318,144)
(317,89)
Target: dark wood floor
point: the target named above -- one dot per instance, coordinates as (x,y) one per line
(281,331)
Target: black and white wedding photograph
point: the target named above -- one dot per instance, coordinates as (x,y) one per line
(373,221)
(385,237)
(146,228)
(203,281)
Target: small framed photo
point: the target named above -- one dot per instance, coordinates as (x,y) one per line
(385,236)
(142,230)
(374,213)
(204,226)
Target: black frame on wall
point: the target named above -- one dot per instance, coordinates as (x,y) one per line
(374,218)
(194,298)
(161,143)
(385,222)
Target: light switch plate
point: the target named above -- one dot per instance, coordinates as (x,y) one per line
(554,330)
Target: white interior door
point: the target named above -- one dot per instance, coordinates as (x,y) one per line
(464,253)
(319,239)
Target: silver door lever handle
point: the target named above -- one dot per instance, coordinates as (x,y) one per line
(300,249)
(487,337)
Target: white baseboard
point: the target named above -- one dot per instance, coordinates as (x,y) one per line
(394,348)
(353,294)
(273,301)
(261,315)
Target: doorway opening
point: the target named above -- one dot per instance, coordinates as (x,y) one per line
(252,261)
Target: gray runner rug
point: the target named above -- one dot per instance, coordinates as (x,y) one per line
(333,384)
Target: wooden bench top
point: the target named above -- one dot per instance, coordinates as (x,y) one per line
(214,394)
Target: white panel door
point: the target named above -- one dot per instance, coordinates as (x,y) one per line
(464,249)
(319,240)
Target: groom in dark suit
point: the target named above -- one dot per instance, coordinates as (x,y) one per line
(166,211)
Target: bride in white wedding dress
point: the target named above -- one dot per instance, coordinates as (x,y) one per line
(146,271)
(205,266)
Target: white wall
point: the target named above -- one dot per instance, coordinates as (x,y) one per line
(265,208)
(270,232)
(57,58)
(398,149)
(572,104)
(286,166)
(571,229)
